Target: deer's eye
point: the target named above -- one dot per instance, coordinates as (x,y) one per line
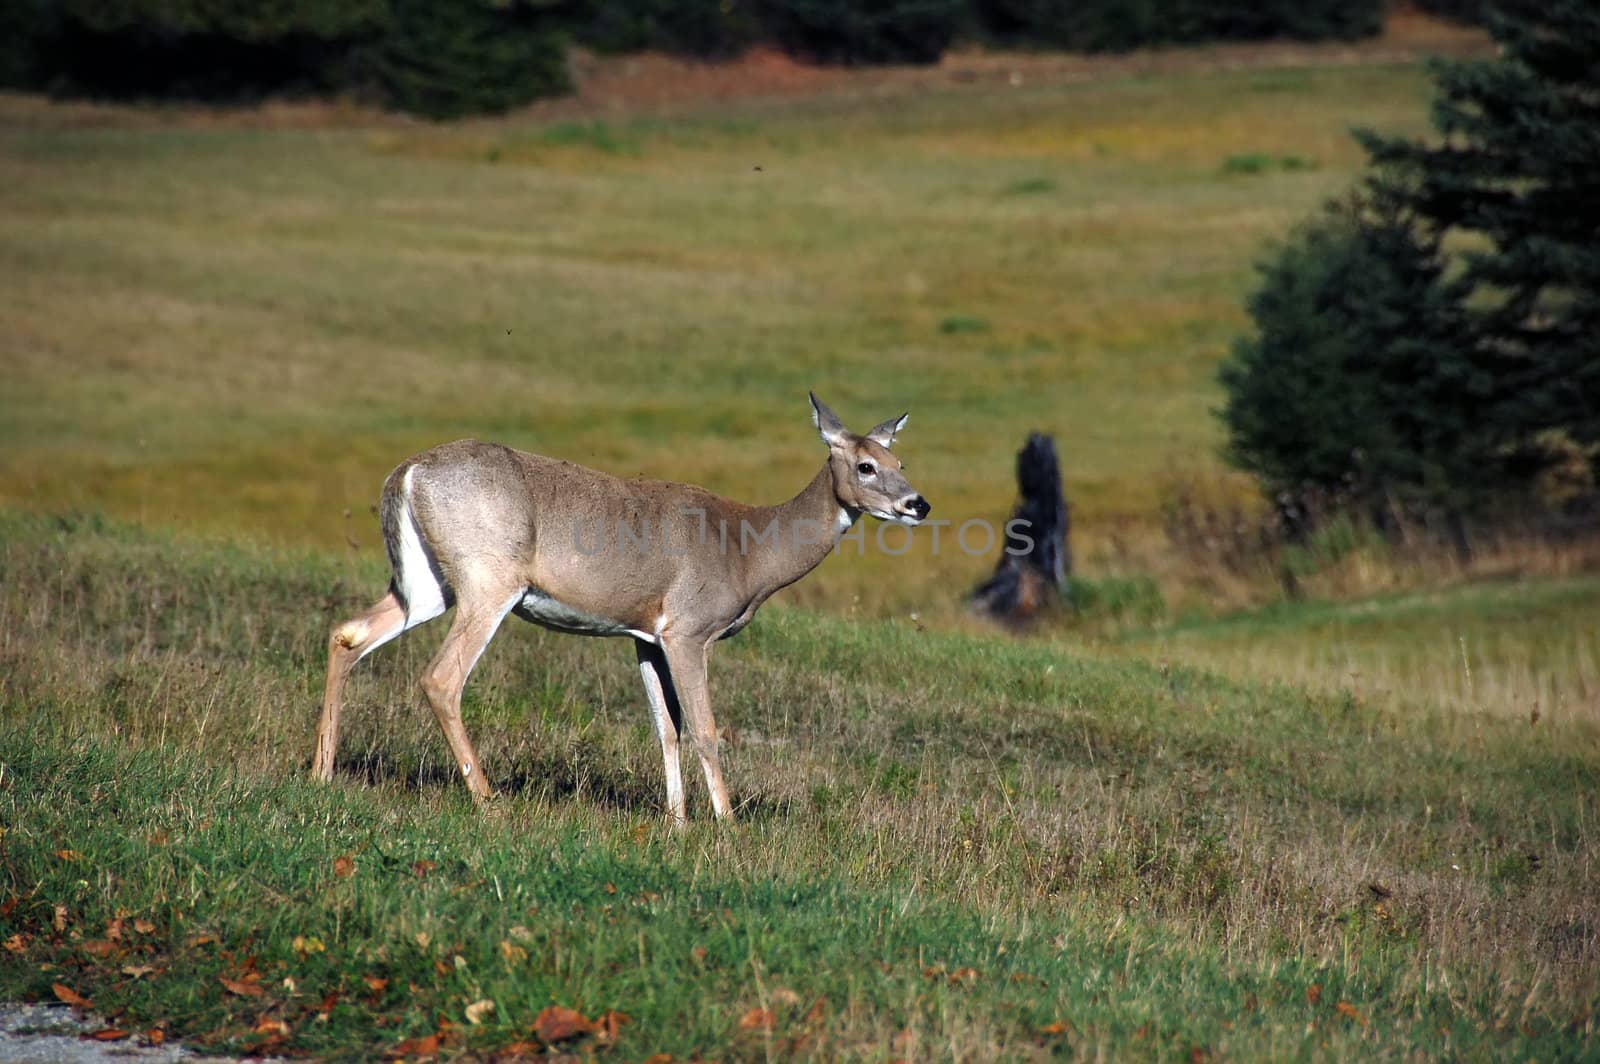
(866,469)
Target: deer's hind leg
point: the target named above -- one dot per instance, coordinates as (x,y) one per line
(477,618)
(349,642)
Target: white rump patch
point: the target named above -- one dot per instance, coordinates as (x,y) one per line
(423,594)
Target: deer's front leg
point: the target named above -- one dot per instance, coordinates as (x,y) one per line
(686,664)
(665,709)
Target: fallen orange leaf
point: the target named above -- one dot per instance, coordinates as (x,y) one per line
(414,1047)
(271,1026)
(70,996)
(1350,1012)
(375,983)
(557,1024)
(757,1019)
(17,943)
(1314,993)
(817,1011)
(69,855)
(144,927)
(155,1036)
(1057,1027)
(659,1058)
(243,987)
(344,867)
(609,1025)
(98,948)
(422,868)
(109,1034)
(964,975)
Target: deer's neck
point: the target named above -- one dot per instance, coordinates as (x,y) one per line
(807,527)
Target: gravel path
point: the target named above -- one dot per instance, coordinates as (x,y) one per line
(52,1034)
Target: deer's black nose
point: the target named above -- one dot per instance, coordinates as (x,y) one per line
(920,507)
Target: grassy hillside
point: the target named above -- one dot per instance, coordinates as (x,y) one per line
(243,329)
(949,847)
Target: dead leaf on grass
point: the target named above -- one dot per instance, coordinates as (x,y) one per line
(1350,1012)
(98,948)
(478,1010)
(246,987)
(144,927)
(375,983)
(69,855)
(70,996)
(608,1028)
(109,1034)
(137,971)
(557,1024)
(757,1019)
(17,943)
(1314,993)
(1056,1027)
(413,1047)
(273,1027)
(344,867)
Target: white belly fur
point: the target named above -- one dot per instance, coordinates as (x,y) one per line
(540,608)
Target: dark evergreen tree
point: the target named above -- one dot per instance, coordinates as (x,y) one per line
(1516,171)
(1360,385)
(448,58)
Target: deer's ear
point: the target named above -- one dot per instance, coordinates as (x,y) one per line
(829,427)
(883,435)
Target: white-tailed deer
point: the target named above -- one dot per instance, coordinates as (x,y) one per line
(494,531)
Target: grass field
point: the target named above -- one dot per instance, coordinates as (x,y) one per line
(243,329)
(1319,830)
(986,849)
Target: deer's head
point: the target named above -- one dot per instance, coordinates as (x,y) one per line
(867,478)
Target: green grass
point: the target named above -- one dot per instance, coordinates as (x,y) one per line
(1112,840)
(1156,858)
(242,330)
(1523,648)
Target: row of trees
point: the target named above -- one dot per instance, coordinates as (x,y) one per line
(1429,345)
(444,58)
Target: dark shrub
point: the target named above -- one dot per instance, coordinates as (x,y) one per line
(865,31)
(448,58)
(707,29)
(1116,25)
(206,49)
(1361,382)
